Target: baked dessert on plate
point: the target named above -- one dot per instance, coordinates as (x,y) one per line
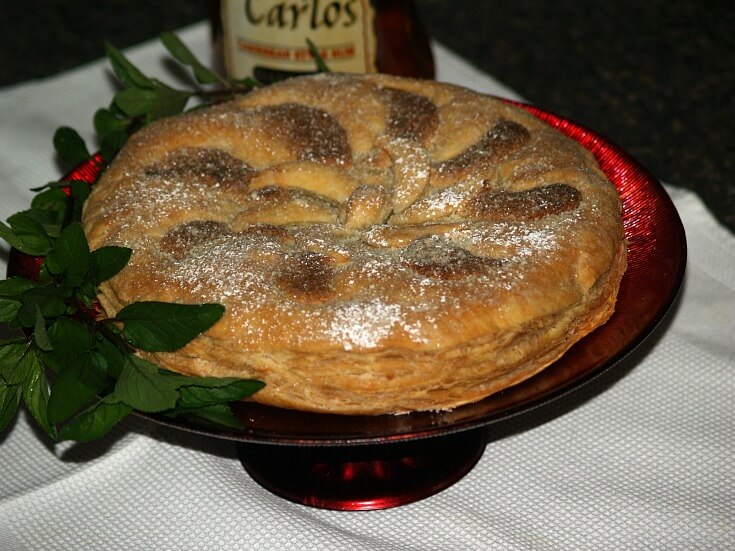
(380,244)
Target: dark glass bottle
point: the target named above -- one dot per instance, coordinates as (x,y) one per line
(267,39)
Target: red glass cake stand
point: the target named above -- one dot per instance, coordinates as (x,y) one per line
(375,462)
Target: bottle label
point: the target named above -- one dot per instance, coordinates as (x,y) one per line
(267,39)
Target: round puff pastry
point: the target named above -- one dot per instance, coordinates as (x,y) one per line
(381,245)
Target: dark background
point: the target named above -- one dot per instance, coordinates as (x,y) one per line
(657,77)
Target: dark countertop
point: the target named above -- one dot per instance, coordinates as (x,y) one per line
(656,77)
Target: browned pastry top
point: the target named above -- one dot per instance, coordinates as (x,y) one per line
(380,244)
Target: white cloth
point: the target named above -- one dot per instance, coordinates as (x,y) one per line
(647,463)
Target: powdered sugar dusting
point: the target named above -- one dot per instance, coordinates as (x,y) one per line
(446,200)
(222,267)
(365,324)
(510,241)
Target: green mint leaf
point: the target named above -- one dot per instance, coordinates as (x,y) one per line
(14,363)
(44,277)
(152,104)
(181,380)
(26,234)
(168,102)
(108,261)
(135,102)
(70,255)
(36,394)
(54,202)
(86,293)
(50,196)
(179,50)
(69,339)
(17,339)
(26,314)
(9,400)
(96,421)
(318,59)
(203,396)
(164,327)
(50,298)
(7,234)
(128,73)
(43,219)
(70,146)
(220,414)
(32,236)
(15,286)
(111,143)
(112,353)
(8,309)
(107,122)
(79,191)
(75,385)
(142,388)
(113,128)
(40,336)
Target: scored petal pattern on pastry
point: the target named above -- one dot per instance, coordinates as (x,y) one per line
(433,257)
(529,204)
(502,139)
(425,229)
(315,134)
(211,166)
(411,116)
(417,198)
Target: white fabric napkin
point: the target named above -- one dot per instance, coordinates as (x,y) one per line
(644,460)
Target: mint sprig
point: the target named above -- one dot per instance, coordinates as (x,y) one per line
(70,146)
(144,99)
(78,374)
(164,327)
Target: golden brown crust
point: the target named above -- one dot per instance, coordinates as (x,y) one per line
(380,244)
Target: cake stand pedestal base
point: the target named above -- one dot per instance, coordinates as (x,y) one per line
(363,477)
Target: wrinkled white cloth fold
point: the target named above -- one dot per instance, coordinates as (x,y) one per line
(645,460)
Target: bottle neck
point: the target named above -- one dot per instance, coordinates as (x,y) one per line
(403,45)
